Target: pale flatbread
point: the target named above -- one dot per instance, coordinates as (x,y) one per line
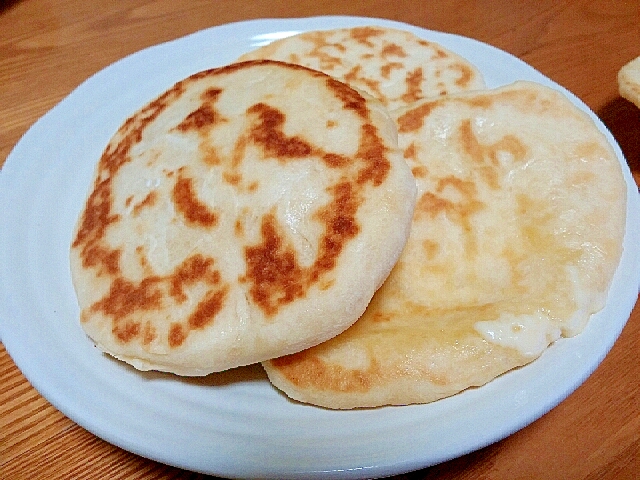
(250,211)
(516,235)
(395,66)
(629,81)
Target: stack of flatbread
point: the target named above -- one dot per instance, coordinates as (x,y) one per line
(357,211)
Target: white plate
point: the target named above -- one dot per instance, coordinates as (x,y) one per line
(235,423)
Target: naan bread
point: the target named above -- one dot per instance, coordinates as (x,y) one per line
(248,212)
(516,235)
(395,66)
(629,81)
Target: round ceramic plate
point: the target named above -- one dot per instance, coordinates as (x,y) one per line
(235,423)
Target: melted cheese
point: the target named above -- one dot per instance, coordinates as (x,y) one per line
(529,334)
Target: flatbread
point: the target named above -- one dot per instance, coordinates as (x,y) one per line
(395,66)
(247,212)
(516,235)
(629,81)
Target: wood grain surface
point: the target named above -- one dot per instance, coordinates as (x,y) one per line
(48,47)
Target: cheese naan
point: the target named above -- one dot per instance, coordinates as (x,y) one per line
(395,66)
(516,235)
(248,212)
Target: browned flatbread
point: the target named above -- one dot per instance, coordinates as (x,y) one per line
(516,235)
(395,66)
(248,212)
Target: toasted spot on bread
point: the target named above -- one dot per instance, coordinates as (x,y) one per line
(125,297)
(414,81)
(273,270)
(340,226)
(413,119)
(393,50)
(177,335)
(194,269)
(197,120)
(208,308)
(306,373)
(268,133)
(351,99)
(187,204)
(148,201)
(363,34)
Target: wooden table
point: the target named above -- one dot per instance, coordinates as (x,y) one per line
(48,47)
